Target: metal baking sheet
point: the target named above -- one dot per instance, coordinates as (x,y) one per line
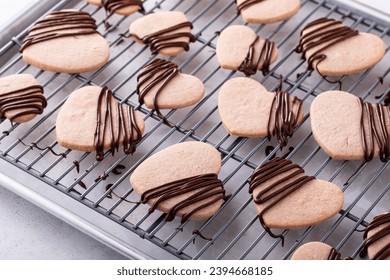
(53,182)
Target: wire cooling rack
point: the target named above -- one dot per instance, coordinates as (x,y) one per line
(234,229)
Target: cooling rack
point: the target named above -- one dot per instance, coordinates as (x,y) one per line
(73,185)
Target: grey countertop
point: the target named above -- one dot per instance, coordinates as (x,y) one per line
(28,232)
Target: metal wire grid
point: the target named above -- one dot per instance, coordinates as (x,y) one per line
(234,229)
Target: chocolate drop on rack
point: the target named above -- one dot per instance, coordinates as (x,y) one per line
(111,6)
(29,100)
(373,122)
(246,4)
(77,165)
(375,223)
(117,169)
(326,32)
(250,65)
(109,195)
(163,39)
(271,169)
(196,232)
(82,184)
(206,186)
(60,24)
(284,114)
(121,127)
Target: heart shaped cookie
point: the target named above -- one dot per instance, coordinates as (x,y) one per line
(316,251)
(333,49)
(347,128)
(377,238)
(120,7)
(162,86)
(240,48)
(92,120)
(21,98)
(181,180)
(285,198)
(65,41)
(267,11)
(166,32)
(247,109)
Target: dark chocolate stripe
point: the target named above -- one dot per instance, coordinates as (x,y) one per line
(250,64)
(166,39)
(157,71)
(269,170)
(28,100)
(284,114)
(375,223)
(325,33)
(334,255)
(60,24)
(375,129)
(247,4)
(205,186)
(121,127)
(112,6)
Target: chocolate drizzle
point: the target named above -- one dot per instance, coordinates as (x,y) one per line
(279,190)
(60,24)
(284,114)
(324,34)
(206,186)
(116,121)
(334,255)
(386,101)
(197,232)
(167,38)
(378,221)
(28,100)
(375,129)
(250,64)
(245,4)
(34,145)
(157,71)
(112,6)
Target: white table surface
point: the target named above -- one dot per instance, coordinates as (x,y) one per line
(27,232)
